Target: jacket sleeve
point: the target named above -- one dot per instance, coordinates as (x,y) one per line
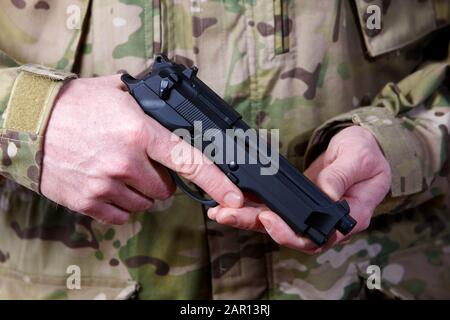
(411,122)
(27,95)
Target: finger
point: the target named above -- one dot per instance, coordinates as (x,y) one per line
(152,180)
(132,201)
(243,218)
(283,234)
(107,213)
(169,150)
(124,198)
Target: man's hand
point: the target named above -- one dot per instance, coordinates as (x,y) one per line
(103,156)
(352,168)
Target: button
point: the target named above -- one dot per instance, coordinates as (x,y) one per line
(233,178)
(233,166)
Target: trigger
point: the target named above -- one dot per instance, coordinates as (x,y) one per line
(191,194)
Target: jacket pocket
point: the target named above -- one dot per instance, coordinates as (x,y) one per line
(391,25)
(49,252)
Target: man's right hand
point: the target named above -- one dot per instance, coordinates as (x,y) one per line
(104,157)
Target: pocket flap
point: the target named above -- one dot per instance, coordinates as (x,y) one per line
(390,25)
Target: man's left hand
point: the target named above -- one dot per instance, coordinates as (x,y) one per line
(352,168)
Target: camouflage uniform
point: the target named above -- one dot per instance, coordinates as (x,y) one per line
(293,65)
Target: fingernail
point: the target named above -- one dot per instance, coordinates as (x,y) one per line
(233,200)
(301,242)
(212,212)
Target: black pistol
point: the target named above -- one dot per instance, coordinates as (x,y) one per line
(173,95)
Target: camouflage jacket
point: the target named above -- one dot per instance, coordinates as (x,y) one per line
(306,67)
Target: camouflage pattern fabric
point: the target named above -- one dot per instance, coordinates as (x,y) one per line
(301,66)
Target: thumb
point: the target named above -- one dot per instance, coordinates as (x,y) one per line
(337,178)
(315,168)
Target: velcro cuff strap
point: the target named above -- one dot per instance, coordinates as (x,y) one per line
(400,147)
(24,122)
(32,98)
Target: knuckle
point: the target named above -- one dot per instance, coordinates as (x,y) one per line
(188,169)
(365,222)
(385,186)
(104,215)
(367,159)
(100,189)
(135,134)
(222,217)
(161,189)
(330,178)
(143,205)
(336,176)
(104,218)
(122,168)
(280,238)
(166,192)
(85,206)
(152,138)
(228,217)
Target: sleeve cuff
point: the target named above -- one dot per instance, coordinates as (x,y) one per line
(24,122)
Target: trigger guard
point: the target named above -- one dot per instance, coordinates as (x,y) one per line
(191,194)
